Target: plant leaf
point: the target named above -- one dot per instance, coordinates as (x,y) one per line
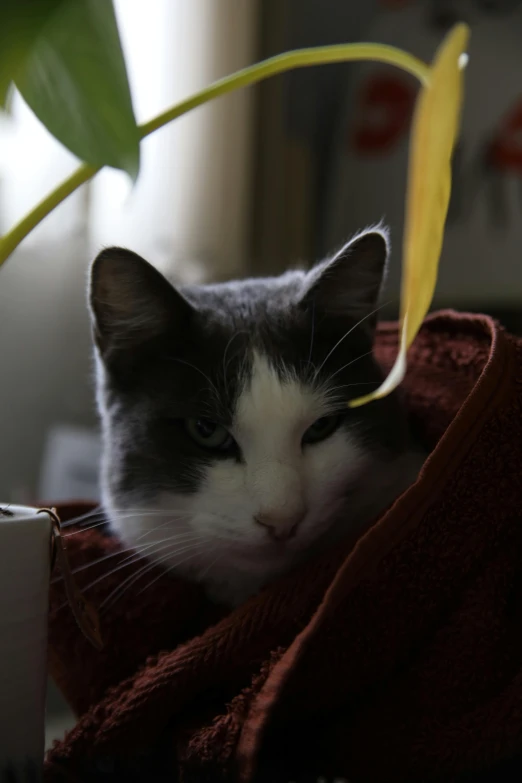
(435,131)
(75,81)
(21,21)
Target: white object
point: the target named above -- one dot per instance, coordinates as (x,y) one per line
(25,555)
(70,465)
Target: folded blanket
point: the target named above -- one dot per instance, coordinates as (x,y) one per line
(397,660)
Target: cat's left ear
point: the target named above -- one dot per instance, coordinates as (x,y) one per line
(349,284)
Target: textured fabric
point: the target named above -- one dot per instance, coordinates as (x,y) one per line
(397,660)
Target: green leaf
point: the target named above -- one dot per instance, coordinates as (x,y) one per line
(75,81)
(21,21)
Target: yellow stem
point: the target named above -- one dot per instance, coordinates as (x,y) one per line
(255,73)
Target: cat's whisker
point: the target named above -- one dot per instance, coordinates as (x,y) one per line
(125,586)
(169,521)
(127,583)
(173,517)
(348,364)
(358,383)
(135,556)
(135,549)
(92,515)
(313,334)
(336,396)
(241,373)
(136,552)
(225,366)
(102,514)
(84,529)
(179,562)
(151,512)
(209,567)
(153,581)
(197,369)
(99,560)
(146,568)
(345,335)
(187,536)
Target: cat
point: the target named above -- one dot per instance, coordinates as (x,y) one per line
(229,452)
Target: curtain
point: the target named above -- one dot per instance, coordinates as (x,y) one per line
(298,124)
(191,200)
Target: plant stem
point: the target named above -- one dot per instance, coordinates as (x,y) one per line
(12,239)
(301,58)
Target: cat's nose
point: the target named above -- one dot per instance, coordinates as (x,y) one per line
(280,527)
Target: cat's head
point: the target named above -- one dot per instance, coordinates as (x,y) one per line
(229,449)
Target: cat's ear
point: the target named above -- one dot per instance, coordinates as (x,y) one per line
(349,284)
(131,302)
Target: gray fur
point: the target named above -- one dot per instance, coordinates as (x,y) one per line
(166,355)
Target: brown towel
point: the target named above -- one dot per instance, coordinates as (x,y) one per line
(400,660)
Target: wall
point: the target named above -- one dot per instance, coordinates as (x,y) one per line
(481,264)
(45,357)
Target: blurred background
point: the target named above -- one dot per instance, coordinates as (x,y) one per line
(276,175)
(268,177)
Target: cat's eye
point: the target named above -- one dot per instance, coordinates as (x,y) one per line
(209,434)
(322,428)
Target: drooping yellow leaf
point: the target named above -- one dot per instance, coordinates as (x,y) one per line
(434,133)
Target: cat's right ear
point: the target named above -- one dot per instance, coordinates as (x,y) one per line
(131,302)
(349,284)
